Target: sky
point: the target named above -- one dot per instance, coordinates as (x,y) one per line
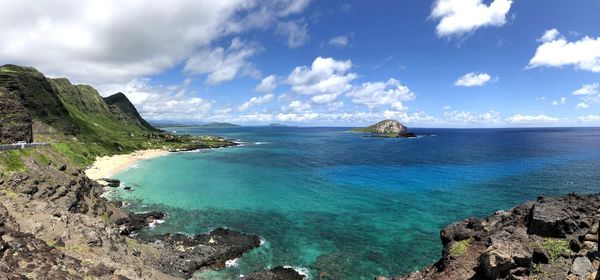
(436,63)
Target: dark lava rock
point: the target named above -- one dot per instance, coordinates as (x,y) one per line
(277,273)
(113,183)
(508,243)
(540,256)
(182,255)
(62,167)
(561,216)
(137,221)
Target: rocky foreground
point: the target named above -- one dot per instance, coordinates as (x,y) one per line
(551,238)
(54,224)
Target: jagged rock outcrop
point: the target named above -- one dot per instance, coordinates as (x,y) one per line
(552,238)
(182,255)
(36,94)
(122,108)
(15,122)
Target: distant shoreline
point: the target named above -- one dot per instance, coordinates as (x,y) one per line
(107,166)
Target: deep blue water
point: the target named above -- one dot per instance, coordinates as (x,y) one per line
(351,206)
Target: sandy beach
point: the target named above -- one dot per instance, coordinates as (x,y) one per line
(105,167)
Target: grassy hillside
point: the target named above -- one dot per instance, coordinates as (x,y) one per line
(81,124)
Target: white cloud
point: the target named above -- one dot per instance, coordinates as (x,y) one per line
(584,54)
(293,117)
(447,107)
(376,94)
(582,105)
(550,35)
(295,31)
(224,64)
(339,41)
(100,42)
(531,119)
(469,118)
(561,101)
(473,79)
(299,106)
(588,94)
(458,17)
(267,85)
(256,100)
(588,89)
(589,119)
(156,102)
(326,78)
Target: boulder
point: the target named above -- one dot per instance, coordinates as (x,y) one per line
(581,267)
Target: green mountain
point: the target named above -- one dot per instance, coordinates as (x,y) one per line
(122,109)
(35,92)
(76,119)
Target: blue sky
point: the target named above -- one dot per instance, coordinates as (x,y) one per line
(443,63)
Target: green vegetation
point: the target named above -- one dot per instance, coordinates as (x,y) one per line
(555,247)
(458,248)
(11,161)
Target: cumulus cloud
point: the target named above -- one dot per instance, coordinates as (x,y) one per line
(458,17)
(531,119)
(588,94)
(550,35)
(589,119)
(470,118)
(582,105)
(325,79)
(295,31)
(157,102)
(473,79)
(256,100)
(100,42)
(224,64)
(339,41)
(588,89)
(375,94)
(298,106)
(267,85)
(556,51)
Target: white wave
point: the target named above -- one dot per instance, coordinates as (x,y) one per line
(262,241)
(261,143)
(155,223)
(301,270)
(232,263)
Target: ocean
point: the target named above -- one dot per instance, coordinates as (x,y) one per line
(348,206)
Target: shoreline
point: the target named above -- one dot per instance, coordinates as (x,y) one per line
(107,166)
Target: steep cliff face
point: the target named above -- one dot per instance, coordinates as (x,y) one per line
(85,98)
(15,122)
(36,94)
(121,107)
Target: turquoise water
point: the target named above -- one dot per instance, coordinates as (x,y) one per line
(350,206)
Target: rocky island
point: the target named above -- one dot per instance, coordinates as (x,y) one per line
(387,128)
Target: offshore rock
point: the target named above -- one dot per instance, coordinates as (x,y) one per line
(182,255)
(277,273)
